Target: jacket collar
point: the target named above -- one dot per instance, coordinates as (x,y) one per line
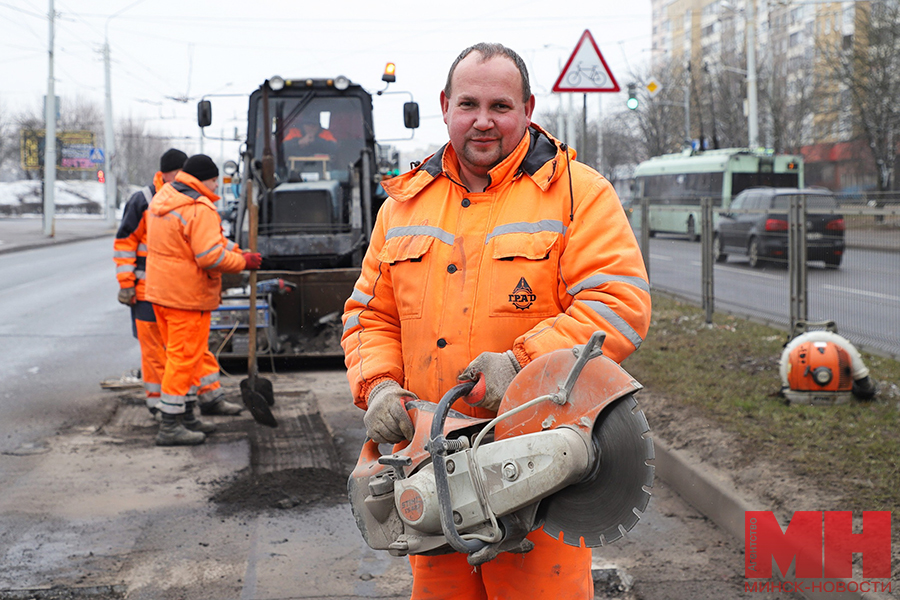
(158,181)
(195,184)
(538,156)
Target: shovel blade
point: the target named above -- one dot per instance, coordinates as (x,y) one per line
(257,405)
(264,387)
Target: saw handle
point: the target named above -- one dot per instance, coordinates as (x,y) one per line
(439,447)
(476,395)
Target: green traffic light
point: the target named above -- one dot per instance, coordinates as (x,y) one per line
(632,103)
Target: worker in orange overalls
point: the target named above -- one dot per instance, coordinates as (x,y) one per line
(309,137)
(187,255)
(499,248)
(130,256)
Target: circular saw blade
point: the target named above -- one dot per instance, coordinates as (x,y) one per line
(609,501)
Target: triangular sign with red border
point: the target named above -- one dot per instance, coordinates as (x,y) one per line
(586,70)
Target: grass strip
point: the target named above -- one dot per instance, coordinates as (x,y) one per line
(729,370)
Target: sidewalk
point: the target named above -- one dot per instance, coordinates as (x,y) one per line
(25,233)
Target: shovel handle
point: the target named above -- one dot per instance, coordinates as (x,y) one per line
(251,341)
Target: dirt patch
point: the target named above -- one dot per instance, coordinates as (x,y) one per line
(291,488)
(776,487)
(67,593)
(779,486)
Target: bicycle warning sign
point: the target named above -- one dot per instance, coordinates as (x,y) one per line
(586,70)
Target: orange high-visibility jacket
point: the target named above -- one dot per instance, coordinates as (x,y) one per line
(451,273)
(187,251)
(130,247)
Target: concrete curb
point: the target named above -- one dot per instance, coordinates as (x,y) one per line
(45,244)
(714,496)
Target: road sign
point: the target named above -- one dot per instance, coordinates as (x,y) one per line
(653,87)
(586,70)
(97,155)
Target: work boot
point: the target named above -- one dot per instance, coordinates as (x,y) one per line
(192,422)
(221,407)
(172,432)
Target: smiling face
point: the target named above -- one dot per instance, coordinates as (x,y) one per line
(485,114)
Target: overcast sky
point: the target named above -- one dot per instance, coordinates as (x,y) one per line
(165,52)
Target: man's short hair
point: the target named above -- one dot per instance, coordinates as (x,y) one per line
(487,52)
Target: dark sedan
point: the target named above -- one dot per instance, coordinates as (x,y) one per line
(756,225)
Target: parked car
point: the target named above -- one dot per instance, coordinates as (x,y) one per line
(762,233)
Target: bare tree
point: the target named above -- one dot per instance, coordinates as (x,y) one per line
(868,68)
(621,142)
(137,152)
(660,120)
(9,143)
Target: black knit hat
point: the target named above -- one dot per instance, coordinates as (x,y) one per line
(172,160)
(201,166)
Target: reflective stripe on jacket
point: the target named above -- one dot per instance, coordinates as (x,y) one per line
(187,251)
(130,246)
(451,273)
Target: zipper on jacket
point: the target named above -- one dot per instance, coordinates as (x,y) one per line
(565,150)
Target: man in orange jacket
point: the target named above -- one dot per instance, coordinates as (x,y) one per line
(187,256)
(130,256)
(499,248)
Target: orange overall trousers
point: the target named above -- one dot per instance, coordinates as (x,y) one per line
(190,367)
(551,571)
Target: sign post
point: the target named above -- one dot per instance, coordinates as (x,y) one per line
(586,71)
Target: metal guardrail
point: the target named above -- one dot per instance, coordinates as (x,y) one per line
(862,295)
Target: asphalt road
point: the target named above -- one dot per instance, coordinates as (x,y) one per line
(90,505)
(862,297)
(61,332)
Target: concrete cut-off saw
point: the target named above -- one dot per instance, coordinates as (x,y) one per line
(568,451)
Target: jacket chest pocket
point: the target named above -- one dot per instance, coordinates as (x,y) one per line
(409,264)
(525,274)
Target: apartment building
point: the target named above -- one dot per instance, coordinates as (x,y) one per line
(800,107)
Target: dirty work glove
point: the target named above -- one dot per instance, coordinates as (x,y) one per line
(492,373)
(253,260)
(126,296)
(386,419)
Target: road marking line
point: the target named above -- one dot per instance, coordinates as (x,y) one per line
(750,273)
(660,257)
(837,288)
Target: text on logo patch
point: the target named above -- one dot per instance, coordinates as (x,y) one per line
(522,297)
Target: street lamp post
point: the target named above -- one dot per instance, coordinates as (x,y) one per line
(752,104)
(50,139)
(752,115)
(109,142)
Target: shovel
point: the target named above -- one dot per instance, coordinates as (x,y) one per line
(256,392)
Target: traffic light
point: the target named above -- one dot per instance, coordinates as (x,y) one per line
(632,102)
(101,177)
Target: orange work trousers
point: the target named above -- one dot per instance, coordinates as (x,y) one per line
(153,350)
(190,366)
(552,570)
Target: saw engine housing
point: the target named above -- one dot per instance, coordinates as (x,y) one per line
(463,483)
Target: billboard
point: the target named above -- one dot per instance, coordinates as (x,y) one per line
(73,150)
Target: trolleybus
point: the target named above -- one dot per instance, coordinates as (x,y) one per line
(673,184)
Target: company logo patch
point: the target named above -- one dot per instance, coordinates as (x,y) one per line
(522,297)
